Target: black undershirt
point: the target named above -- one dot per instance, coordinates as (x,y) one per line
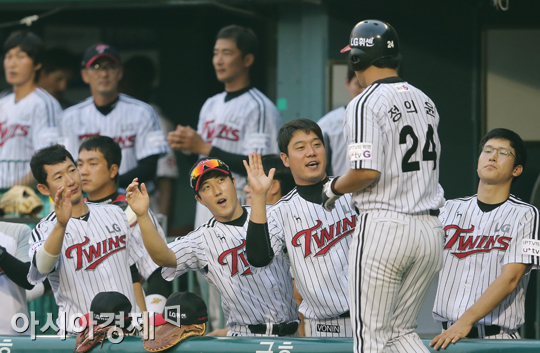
(108,199)
(107,108)
(312,193)
(232,95)
(486,207)
(240,221)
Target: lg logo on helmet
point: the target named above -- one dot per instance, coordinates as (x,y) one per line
(362,42)
(390,44)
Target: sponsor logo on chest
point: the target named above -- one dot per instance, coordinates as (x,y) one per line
(469,244)
(324,238)
(98,252)
(10,131)
(237,257)
(213,131)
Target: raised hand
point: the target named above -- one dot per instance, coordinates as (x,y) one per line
(62,205)
(137,199)
(258,181)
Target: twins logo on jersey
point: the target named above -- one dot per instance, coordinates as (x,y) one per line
(324,238)
(95,254)
(222,131)
(235,254)
(7,132)
(123,141)
(473,244)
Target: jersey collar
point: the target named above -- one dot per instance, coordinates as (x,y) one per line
(108,199)
(232,95)
(393,79)
(240,221)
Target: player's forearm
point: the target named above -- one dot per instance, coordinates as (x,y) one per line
(15,269)
(258,208)
(355,180)
(139,296)
(53,243)
(494,295)
(154,244)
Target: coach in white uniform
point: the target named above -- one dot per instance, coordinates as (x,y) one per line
(83,249)
(315,240)
(331,125)
(133,124)
(255,301)
(29,115)
(492,243)
(394,151)
(235,122)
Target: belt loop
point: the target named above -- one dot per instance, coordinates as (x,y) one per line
(269,327)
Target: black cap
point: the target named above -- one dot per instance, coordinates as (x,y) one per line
(98,51)
(192,310)
(110,303)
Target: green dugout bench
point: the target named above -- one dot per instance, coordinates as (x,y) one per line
(54,344)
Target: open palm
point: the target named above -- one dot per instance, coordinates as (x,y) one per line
(259,182)
(137,199)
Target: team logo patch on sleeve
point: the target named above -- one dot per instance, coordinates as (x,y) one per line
(359,152)
(530,247)
(155,138)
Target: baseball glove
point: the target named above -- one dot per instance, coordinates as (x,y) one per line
(84,343)
(21,199)
(168,335)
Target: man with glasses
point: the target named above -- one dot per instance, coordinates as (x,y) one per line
(492,243)
(133,124)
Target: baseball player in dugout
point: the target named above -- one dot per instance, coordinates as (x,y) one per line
(235,122)
(83,249)
(29,114)
(98,163)
(331,125)
(316,241)
(492,244)
(256,302)
(393,149)
(133,124)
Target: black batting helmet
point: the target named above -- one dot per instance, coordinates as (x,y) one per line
(371,40)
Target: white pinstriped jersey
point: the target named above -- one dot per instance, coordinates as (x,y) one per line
(132,123)
(145,264)
(14,237)
(332,127)
(249,295)
(317,245)
(25,126)
(391,127)
(247,123)
(96,257)
(478,244)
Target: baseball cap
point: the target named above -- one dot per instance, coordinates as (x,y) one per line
(192,311)
(203,166)
(97,51)
(106,303)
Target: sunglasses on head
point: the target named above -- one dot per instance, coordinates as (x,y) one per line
(209,164)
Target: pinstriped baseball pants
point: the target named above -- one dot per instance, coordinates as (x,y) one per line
(393,259)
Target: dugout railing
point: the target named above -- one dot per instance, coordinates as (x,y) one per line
(54,344)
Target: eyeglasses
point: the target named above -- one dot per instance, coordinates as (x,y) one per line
(501,151)
(104,66)
(209,164)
